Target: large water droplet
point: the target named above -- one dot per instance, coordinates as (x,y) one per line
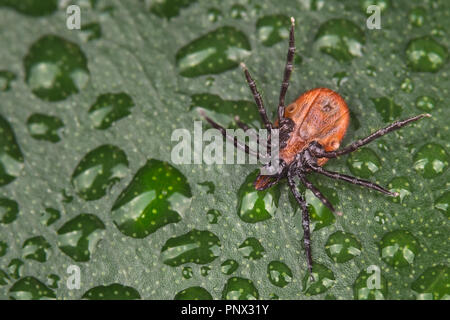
(425,103)
(9,209)
(50,216)
(402,186)
(323,280)
(35,8)
(252,249)
(113,291)
(193,293)
(273,29)
(238,288)
(387,108)
(98,171)
(44,127)
(229,266)
(170,8)
(36,248)
(30,288)
(443,204)
(433,284)
(417,16)
(398,248)
(196,246)
(218,51)
(279,274)
(159,194)
(6,77)
(431,160)
(342,246)
(425,54)
(364,163)
(341,39)
(79,236)
(213,216)
(55,68)
(109,108)
(11,158)
(255,206)
(367,287)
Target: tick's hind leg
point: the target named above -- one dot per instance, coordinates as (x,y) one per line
(318,194)
(305,221)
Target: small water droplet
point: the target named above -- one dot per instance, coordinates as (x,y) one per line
(398,248)
(238,11)
(9,210)
(170,8)
(11,158)
(215,52)
(196,246)
(433,284)
(402,186)
(364,163)
(443,204)
(44,127)
(204,271)
(279,274)
(381,4)
(365,289)
(34,8)
(229,266)
(193,293)
(407,85)
(213,216)
(371,71)
(273,29)
(381,218)
(417,16)
(114,291)
(53,281)
(158,194)
(6,77)
(214,14)
(323,280)
(187,272)
(387,108)
(252,249)
(15,268)
(341,39)
(339,78)
(426,55)
(91,31)
(109,108)
(3,248)
(342,246)
(36,248)
(209,185)
(55,68)
(238,288)
(425,103)
(30,288)
(79,236)
(50,216)
(431,160)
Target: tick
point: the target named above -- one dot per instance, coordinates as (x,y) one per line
(310,133)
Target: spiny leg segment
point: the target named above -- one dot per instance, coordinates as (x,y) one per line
(318,194)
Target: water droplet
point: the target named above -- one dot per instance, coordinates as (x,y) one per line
(229,266)
(402,186)
(438,32)
(381,4)
(36,248)
(15,268)
(238,288)
(50,216)
(35,8)
(6,77)
(204,271)
(11,158)
(324,280)
(44,127)
(245,110)
(417,16)
(342,246)
(114,291)
(279,274)
(238,11)
(387,108)
(91,31)
(364,163)
(431,160)
(193,293)
(442,204)
(55,68)
(79,236)
(4,278)
(425,54)
(30,288)
(252,249)
(339,78)
(170,8)
(210,187)
(255,206)
(341,39)
(217,51)
(407,85)
(159,194)
(364,287)
(371,71)
(98,171)
(196,246)
(273,29)
(433,284)
(398,248)
(425,103)
(214,14)
(213,216)
(381,218)
(109,108)
(53,281)
(3,248)
(187,272)
(9,209)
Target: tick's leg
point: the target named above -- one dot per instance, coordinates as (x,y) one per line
(245,127)
(318,194)
(353,180)
(235,141)
(305,221)
(357,144)
(257,97)
(287,71)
